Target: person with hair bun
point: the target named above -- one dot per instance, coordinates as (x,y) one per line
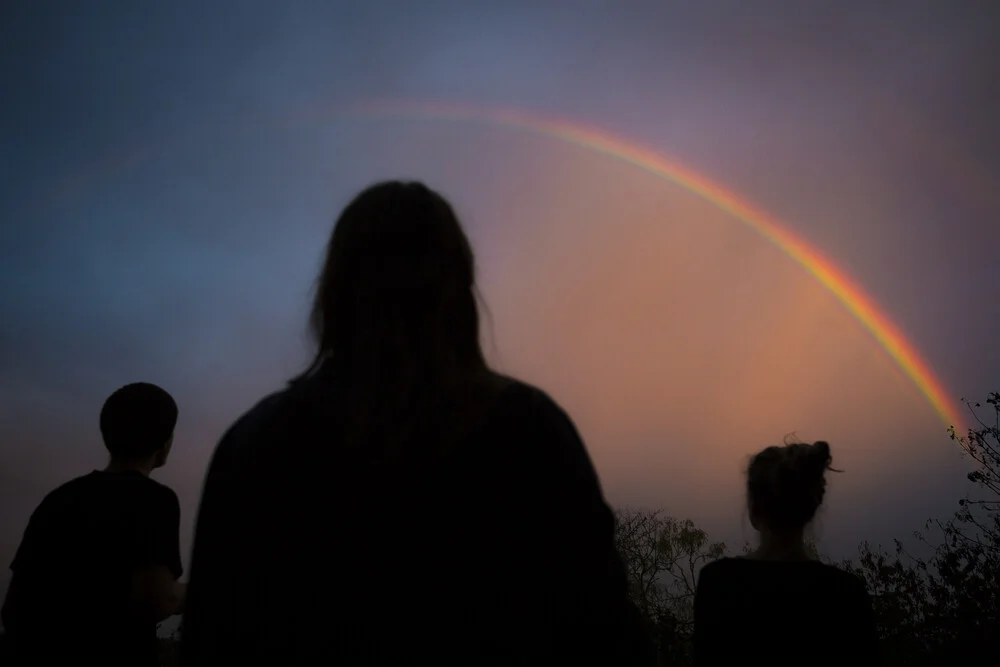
(779,600)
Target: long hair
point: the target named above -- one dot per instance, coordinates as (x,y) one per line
(395,315)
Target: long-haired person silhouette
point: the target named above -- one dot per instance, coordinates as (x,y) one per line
(400,502)
(780,605)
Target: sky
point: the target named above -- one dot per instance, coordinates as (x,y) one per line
(170,173)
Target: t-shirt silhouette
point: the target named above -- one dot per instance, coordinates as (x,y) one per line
(498,551)
(782,613)
(73,570)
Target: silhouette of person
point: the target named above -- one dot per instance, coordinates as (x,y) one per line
(400,502)
(780,605)
(98,564)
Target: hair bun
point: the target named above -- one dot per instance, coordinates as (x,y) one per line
(820,453)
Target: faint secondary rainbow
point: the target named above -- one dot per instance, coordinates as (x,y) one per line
(853,298)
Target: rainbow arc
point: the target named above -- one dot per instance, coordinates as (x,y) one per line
(847,292)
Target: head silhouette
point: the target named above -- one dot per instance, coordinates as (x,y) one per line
(397,286)
(785,486)
(137,424)
(395,312)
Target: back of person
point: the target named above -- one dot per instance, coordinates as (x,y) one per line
(781,612)
(75,568)
(501,548)
(780,606)
(85,574)
(401,503)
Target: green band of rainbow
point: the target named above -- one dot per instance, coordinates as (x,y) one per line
(854,299)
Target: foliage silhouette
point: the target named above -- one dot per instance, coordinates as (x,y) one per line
(944,608)
(663,556)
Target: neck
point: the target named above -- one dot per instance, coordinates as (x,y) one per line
(781,547)
(141,467)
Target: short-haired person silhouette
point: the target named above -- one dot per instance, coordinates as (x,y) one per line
(779,605)
(98,565)
(400,502)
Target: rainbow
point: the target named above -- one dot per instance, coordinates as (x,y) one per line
(850,295)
